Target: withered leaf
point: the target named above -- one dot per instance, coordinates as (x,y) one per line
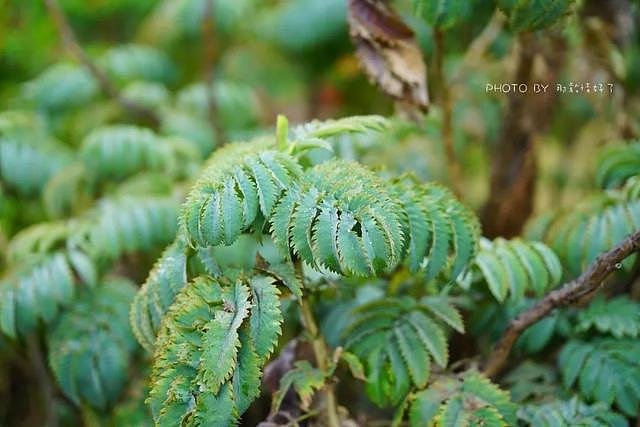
(387,50)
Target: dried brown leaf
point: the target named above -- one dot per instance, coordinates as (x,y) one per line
(387,50)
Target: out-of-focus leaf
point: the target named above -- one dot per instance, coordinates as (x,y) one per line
(388,52)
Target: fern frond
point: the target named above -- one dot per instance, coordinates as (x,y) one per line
(90,358)
(155,296)
(197,130)
(531,381)
(441,232)
(131,224)
(329,128)
(314,23)
(206,362)
(305,380)
(617,163)
(517,266)
(604,370)
(470,399)
(136,62)
(239,183)
(36,288)
(397,339)
(571,412)
(443,14)
(153,96)
(61,87)
(530,15)
(618,316)
(578,235)
(27,165)
(237,104)
(341,218)
(65,189)
(117,151)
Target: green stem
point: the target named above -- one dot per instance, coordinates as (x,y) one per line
(322,359)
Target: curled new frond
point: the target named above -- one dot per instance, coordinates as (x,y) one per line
(36,288)
(90,358)
(397,338)
(329,128)
(516,266)
(341,218)
(604,370)
(166,278)
(131,224)
(617,163)
(470,399)
(210,350)
(240,185)
(571,412)
(617,316)
(117,151)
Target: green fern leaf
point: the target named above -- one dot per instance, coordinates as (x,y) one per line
(163,283)
(36,288)
(468,400)
(573,412)
(115,152)
(618,317)
(305,379)
(517,266)
(617,163)
(443,13)
(221,340)
(530,15)
(206,362)
(90,359)
(266,317)
(329,128)
(397,340)
(137,62)
(131,224)
(605,370)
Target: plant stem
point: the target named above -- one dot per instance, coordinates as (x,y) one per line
(447,114)
(44,382)
(322,359)
(70,41)
(208,41)
(587,283)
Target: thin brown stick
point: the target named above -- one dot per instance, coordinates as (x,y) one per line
(321,353)
(209,53)
(588,282)
(453,166)
(71,43)
(44,381)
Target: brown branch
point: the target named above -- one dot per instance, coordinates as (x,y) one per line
(453,166)
(513,168)
(588,282)
(70,41)
(209,51)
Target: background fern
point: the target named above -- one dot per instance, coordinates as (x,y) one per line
(603,370)
(90,359)
(470,399)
